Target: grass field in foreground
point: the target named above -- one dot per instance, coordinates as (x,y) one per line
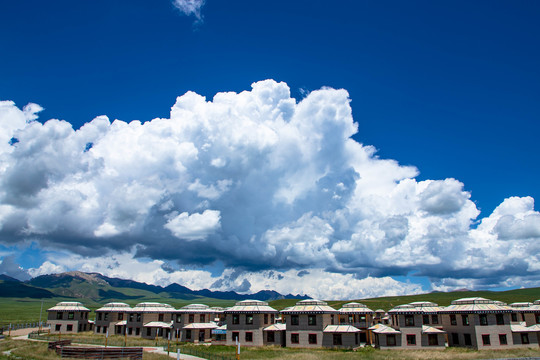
(38,350)
(271,352)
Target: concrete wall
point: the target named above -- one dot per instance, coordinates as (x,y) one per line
(79,321)
(348,340)
(242,328)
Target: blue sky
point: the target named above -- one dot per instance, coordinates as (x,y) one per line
(450,88)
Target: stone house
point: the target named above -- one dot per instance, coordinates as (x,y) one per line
(419,326)
(111,317)
(246,321)
(306,321)
(68,317)
(485,324)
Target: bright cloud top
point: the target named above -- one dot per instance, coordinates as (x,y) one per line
(258,182)
(190,7)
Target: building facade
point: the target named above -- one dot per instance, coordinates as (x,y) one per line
(484,324)
(111,317)
(68,317)
(306,321)
(246,321)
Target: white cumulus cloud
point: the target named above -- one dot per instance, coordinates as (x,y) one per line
(255,181)
(190,7)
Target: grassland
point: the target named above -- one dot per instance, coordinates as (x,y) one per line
(38,350)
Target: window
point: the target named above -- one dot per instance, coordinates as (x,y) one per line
(312,338)
(272,319)
(265,319)
(178,318)
(249,319)
(188,334)
(99,316)
(70,328)
(249,336)
(453,320)
(139,316)
(59,316)
(433,339)
(409,320)
(294,319)
(312,320)
(191,318)
(160,317)
(465,320)
(104,329)
(148,331)
(270,336)
(130,331)
(236,319)
(486,340)
(57,327)
(130,317)
(202,318)
(294,339)
(391,340)
(362,318)
(351,319)
(522,316)
(337,339)
(483,319)
(106,316)
(137,331)
(425,319)
(435,319)
(524,338)
(235,335)
(500,319)
(514,317)
(467,338)
(537,318)
(411,339)
(98,329)
(121,316)
(332,319)
(502,339)
(455,338)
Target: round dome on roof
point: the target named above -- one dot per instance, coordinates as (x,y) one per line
(69,303)
(520,304)
(424,304)
(251,303)
(380,311)
(196,307)
(354,305)
(537,302)
(473,300)
(405,306)
(311,302)
(116,305)
(152,306)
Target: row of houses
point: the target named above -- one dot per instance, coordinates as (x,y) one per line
(471,322)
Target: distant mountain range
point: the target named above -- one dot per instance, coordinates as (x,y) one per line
(97,287)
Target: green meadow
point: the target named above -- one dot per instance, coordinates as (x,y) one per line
(20,310)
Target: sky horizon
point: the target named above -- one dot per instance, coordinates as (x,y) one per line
(351,150)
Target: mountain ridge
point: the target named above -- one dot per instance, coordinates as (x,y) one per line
(98,287)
